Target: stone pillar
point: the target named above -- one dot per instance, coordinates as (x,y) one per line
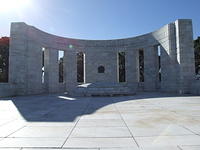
(18,57)
(34,71)
(185,54)
(88,66)
(131,70)
(169,65)
(51,70)
(137,69)
(71,70)
(150,69)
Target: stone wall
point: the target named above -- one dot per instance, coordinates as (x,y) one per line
(7,89)
(177,59)
(94,59)
(195,88)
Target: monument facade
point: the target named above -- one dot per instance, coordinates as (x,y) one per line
(39,62)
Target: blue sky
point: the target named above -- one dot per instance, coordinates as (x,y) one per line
(101,19)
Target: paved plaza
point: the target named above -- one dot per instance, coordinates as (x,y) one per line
(146,121)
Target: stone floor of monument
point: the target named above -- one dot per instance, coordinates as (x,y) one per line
(145,121)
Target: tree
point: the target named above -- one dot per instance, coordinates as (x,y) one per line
(197,55)
(4,57)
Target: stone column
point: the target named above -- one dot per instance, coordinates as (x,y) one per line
(18,57)
(51,70)
(34,71)
(71,71)
(150,69)
(185,54)
(168,60)
(88,66)
(131,70)
(137,69)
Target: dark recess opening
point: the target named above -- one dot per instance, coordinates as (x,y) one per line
(121,67)
(101,69)
(141,65)
(43,71)
(80,67)
(61,65)
(159,62)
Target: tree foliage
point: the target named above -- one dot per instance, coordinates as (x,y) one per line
(197,55)
(4,56)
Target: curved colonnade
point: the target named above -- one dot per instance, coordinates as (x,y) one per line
(34,67)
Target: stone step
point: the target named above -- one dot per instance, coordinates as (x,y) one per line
(105,91)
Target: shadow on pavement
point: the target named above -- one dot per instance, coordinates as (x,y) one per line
(61,108)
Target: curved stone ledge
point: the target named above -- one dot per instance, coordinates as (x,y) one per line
(53,41)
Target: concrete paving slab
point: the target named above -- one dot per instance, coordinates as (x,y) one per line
(159,130)
(101,123)
(99,109)
(55,149)
(194,128)
(168,115)
(102,107)
(150,119)
(182,119)
(146,148)
(102,116)
(164,141)
(49,124)
(190,147)
(5,121)
(11,127)
(100,142)
(141,110)
(154,120)
(32,142)
(161,148)
(10,115)
(197,118)
(10,148)
(89,111)
(46,131)
(118,148)
(121,106)
(101,132)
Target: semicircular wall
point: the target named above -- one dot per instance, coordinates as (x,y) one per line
(174,39)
